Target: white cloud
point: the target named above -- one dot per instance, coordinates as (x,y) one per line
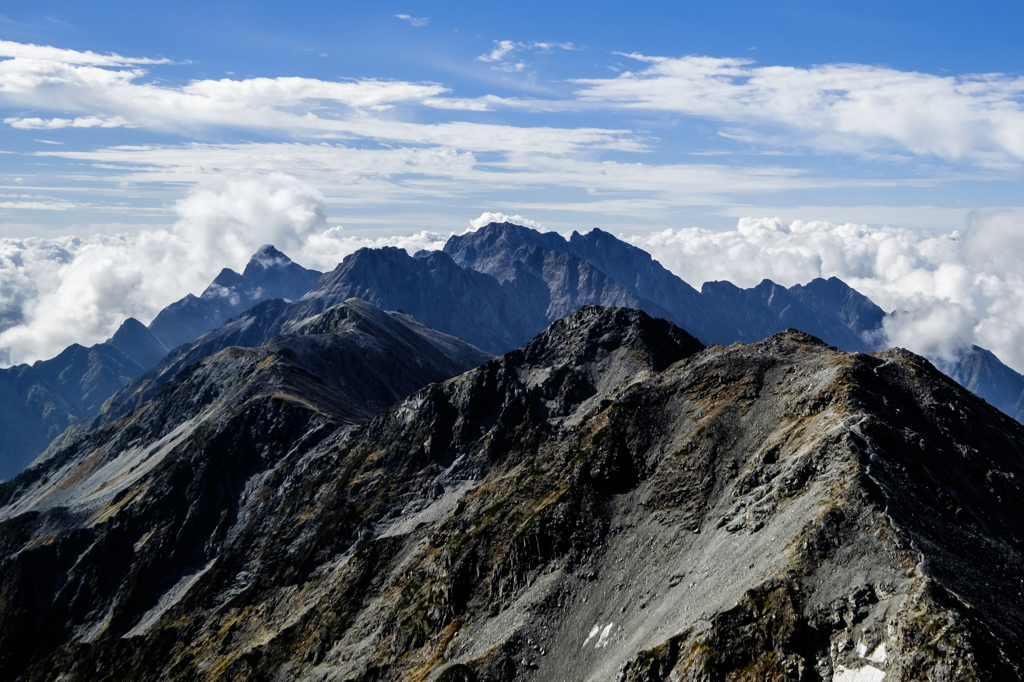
(510,68)
(504,49)
(36,203)
(324,250)
(413,173)
(501,50)
(849,108)
(415,21)
(55,292)
(487,218)
(37,123)
(950,290)
(109,91)
(29,52)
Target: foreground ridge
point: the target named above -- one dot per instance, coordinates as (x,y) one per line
(610,501)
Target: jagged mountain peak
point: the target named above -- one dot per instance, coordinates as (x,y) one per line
(504,235)
(223,284)
(593,331)
(267,257)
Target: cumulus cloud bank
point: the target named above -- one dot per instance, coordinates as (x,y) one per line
(55,292)
(949,290)
(64,290)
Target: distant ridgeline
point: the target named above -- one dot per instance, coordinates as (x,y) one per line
(496,288)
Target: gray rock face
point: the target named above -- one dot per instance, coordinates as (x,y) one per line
(833,297)
(598,268)
(611,501)
(434,289)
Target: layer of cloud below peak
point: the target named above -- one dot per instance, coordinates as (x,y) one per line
(951,290)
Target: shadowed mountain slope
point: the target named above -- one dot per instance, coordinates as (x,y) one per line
(269,274)
(610,501)
(186,460)
(39,401)
(602,269)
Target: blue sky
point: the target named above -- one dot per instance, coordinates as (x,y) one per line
(867,112)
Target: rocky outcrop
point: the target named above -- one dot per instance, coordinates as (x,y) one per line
(610,501)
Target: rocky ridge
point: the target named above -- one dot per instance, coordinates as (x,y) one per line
(179,468)
(610,501)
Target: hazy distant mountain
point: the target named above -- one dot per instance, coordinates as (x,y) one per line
(496,287)
(39,401)
(982,372)
(432,288)
(541,270)
(269,274)
(609,502)
(601,269)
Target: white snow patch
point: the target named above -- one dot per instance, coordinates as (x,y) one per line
(593,633)
(605,635)
(866,674)
(876,656)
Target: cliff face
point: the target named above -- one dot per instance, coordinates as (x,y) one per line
(610,501)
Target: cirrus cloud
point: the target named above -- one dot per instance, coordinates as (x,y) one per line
(849,108)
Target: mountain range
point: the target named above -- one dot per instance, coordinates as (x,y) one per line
(39,401)
(496,287)
(611,500)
